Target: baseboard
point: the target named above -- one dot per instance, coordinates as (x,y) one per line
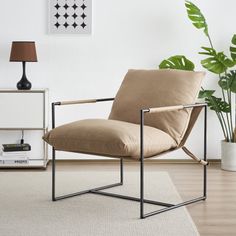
(161,161)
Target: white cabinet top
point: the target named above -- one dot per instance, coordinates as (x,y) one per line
(10,90)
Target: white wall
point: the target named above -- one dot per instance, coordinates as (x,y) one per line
(126,34)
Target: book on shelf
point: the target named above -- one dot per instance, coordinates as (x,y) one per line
(14,158)
(17,155)
(14,162)
(16,147)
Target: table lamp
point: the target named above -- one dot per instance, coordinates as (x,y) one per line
(23,51)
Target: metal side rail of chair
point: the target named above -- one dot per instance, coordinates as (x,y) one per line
(141,199)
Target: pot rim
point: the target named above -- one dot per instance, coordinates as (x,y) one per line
(223,141)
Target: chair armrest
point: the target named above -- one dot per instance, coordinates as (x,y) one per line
(173,108)
(75,102)
(62,103)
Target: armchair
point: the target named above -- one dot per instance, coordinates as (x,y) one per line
(147,119)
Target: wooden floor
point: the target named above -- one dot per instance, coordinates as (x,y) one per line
(215,216)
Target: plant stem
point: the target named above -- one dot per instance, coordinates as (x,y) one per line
(231,118)
(222,125)
(209,38)
(231,129)
(227,117)
(226,129)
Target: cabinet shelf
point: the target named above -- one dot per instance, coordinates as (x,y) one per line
(25,110)
(23,129)
(31,164)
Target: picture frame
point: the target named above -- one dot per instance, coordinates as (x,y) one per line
(70,17)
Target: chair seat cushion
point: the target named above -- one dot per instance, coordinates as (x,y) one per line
(108,137)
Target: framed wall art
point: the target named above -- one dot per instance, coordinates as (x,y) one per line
(70,16)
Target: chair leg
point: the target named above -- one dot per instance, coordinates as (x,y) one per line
(93,190)
(171,206)
(53,175)
(205,154)
(141,200)
(141,191)
(141,167)
(121,171)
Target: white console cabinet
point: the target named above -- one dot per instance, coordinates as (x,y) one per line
(25,110)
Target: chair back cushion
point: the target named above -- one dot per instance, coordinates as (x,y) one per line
(142,89)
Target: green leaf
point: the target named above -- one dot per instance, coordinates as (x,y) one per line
(196,16)
(216,104)
(178,62)
(217,62)
(228,81)
(209,51)
(233,48)
(224,83)
(205,93)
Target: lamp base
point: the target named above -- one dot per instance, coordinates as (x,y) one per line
(23,84)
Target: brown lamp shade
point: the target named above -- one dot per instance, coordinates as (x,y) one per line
(23,51)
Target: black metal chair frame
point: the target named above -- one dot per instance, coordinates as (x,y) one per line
(141,200)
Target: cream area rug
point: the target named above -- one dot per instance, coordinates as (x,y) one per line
(26,207)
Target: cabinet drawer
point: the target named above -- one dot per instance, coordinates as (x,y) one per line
(22,110)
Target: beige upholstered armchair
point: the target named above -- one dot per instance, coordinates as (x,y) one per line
(153,113)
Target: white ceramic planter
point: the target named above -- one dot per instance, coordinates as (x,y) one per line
(228,156)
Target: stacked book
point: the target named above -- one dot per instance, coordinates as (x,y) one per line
(15,154)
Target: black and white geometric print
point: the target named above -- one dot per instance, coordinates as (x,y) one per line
(70,16)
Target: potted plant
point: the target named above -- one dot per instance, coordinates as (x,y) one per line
(222,66)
